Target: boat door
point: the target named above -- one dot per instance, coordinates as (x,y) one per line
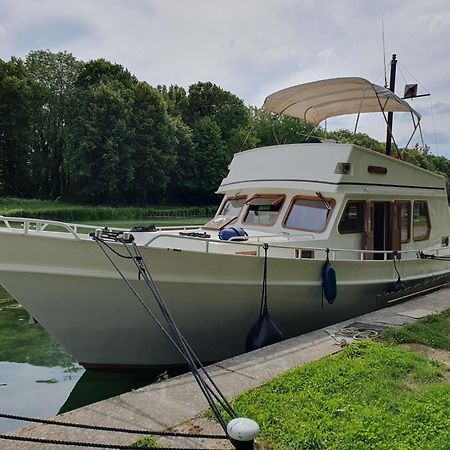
(381,230)
(368,236)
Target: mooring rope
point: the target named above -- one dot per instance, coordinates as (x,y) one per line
(192,359)
(212,393)
(111,429)
(86,444)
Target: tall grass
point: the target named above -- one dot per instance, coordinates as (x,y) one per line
(55,210)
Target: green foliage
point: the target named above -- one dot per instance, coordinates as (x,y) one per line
(421,156)
(433,331)
(274,129)
(55,210)
(18,94)
(211,126)
(369,396)
(55,74)
(362,139)
(146,442)
(93,132)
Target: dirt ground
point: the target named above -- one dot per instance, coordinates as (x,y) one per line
(443,356)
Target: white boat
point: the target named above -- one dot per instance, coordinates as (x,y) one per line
(376,217)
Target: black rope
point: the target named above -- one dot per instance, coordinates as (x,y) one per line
(82,444)
(112,429)
(394,258)
(110,248)
(174,334)
(190,355)
(423,255)
(177,345)
(263,307)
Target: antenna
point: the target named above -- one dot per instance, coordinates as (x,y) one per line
(391,114)
(384,52)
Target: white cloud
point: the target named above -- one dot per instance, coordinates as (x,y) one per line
(251,47)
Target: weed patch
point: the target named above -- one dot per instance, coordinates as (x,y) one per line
(433,331)
(361,398)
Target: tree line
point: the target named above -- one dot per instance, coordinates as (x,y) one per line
(91,132)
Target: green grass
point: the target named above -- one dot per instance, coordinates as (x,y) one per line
(157,222)
(372,395)
(146,442)
(24,343)
(433,331)
(56,210)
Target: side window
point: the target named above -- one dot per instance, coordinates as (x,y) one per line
(352,221)
(404,221)
(309,214)
(421,220)
(263,209)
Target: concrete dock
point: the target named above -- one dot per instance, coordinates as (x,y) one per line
(175,403)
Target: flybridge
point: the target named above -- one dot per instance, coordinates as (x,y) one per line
(337,167)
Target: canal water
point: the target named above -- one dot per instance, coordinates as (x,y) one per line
(39,379)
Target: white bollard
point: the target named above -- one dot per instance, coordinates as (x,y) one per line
(242,432)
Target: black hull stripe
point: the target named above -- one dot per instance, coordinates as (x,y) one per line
(345,183)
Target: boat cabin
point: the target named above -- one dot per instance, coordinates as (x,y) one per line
(334,195)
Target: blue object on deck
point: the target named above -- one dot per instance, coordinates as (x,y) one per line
(228,233)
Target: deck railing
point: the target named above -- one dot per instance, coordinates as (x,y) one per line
(254,243)
(27,225)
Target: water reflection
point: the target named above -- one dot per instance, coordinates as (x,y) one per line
(37,391)
(94,386)
(38,378)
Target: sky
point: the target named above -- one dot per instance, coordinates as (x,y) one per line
(254,47)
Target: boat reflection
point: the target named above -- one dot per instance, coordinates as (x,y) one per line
(94,386)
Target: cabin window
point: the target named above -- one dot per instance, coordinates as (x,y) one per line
(352,221)
(404,221)
(421,221)
(263,209)
(309,214)
(233,206)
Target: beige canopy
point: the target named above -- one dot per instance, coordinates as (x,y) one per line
(319,100)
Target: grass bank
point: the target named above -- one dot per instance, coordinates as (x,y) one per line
(372,395)
(55,210)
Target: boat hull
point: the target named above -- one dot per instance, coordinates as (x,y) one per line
(75,293)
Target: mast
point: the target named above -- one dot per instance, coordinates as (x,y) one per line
(390,120)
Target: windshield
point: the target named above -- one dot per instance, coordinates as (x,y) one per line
(263,209)
(233,206)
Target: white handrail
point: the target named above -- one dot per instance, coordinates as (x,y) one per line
(334,251)
(41,225)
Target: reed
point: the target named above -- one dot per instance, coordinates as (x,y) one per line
(55,210)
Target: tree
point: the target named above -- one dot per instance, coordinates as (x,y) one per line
(99,164)
(225,109)
(55,73)
(155,141)
(211,157)
(274,129)
(17,92)
(123,143)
